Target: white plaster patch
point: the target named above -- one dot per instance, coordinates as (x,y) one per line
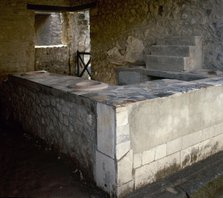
(121,116)
(124,169)
(160,151)
(122,134)
(137,160)
(192,139)
(148,156)
(174,146)
(122,149)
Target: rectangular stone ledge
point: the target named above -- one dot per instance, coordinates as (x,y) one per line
(34,85)
(50,46)
(125,95)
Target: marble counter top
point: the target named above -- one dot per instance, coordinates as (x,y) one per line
(121,95)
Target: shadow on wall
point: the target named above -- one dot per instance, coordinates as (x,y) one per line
(58,38)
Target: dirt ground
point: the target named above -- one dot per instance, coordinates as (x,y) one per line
(29,169)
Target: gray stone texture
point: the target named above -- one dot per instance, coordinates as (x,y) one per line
(148,22)
(124,136)
(53,58)
(176,54)
(83,31)
(64,121)
(48,28)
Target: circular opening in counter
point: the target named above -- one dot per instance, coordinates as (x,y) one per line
(89,85)
(34,73)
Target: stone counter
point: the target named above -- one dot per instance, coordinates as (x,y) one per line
(124,136)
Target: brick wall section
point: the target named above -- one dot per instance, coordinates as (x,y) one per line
(122,32)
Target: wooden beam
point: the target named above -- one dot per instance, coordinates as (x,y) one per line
(47,8)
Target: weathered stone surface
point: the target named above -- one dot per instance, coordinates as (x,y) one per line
(174,146)
(149,22)
(17,35)
(131,135)
(105,173)
(48,29)
(156,170)
(106,130)
(148,156)
(65,122)
(160,151)
(124,169)
(176,54)
(137,160)
(52,58)
(125,189)
(122,149)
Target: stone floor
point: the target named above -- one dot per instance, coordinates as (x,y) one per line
(28,168)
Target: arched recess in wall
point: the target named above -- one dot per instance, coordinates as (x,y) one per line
(59,33)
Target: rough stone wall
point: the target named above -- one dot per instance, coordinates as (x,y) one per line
(65,121)
(17,34)
(122,32)
(83,31)
(48,29)
(70,29)
(54,58)
(16,37)
(50,54)
(70,37)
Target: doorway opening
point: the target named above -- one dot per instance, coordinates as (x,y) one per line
(59,36)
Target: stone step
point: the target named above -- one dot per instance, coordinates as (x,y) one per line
(167,63)
(180,40)
(171,50)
